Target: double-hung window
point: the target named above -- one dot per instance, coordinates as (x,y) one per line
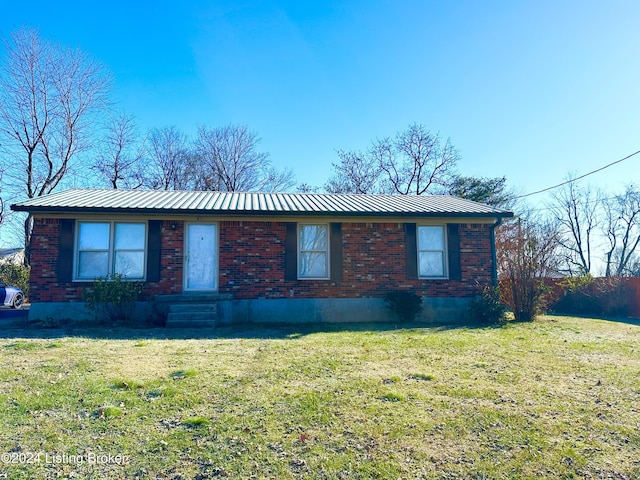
(107,248)
(313,251)
(432,251)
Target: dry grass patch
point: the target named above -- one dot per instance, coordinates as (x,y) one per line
(556,398)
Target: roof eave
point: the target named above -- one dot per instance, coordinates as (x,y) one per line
(262,213)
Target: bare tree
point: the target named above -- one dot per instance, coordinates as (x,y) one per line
(171,162)
(120,156)
(577,212)
(230,161)
(308,188)
(356,173)
(526,251)
(414,162)
(622,231)
(49,96)
(274,180)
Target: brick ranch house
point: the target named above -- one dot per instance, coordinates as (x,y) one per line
(261,257)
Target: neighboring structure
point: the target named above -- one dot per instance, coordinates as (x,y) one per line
(11,256)
(263,257)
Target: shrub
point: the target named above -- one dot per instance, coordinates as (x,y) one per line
(16,276)
(112,298)
(404,304)
(526,254)
(487,308)
(526,297)
(608,296)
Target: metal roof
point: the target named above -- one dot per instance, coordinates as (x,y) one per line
(235,203)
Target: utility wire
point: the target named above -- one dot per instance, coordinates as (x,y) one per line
(580,177)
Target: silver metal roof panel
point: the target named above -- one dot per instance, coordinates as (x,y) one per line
(235,203)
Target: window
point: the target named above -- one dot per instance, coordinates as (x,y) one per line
(108,248)
(313,251)
(431,252)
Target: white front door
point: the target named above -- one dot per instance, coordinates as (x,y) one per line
(201,257)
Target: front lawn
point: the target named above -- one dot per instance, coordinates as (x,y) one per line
(559,398)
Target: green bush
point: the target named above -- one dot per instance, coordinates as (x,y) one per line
(487,308)
(16,276)
(404,304)
(113,298)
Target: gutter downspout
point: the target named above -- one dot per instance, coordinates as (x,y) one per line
(494,254)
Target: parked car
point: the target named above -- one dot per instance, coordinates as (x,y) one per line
(11,296)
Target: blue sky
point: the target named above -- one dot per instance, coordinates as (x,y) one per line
(532,90)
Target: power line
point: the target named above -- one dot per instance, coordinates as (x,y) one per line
(580,177)
(551,207)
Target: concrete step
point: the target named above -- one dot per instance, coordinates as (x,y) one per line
(193,297)
(192,310)
(193,307)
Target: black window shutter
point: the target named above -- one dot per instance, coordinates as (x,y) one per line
(65,250)
(453,246)
(154,240)
(335,248)
(411,250)
(291,251)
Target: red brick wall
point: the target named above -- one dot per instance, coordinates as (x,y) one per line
(251,263)
(44,285)
(171,260)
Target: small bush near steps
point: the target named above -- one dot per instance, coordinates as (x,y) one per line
(113,298)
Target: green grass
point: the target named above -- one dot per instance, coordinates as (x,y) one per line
(558,398)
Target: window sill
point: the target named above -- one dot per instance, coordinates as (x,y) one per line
(91,280)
